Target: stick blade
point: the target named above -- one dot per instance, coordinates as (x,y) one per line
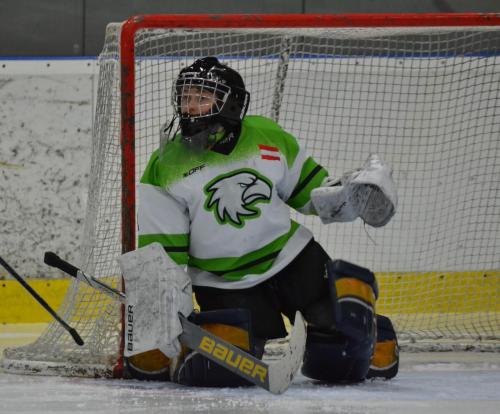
(282,372)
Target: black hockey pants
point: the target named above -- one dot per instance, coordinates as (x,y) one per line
(302,285)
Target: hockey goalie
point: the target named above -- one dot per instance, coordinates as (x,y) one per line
(216,195)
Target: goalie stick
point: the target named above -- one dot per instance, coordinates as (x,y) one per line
(274,377)
(42,302)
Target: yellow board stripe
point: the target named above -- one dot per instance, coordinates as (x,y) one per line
(439,292)
(401,293)
(18,306)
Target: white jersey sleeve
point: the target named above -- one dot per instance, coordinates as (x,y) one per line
(302,176)
(171,230)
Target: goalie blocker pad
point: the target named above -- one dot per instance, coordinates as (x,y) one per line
(157,290)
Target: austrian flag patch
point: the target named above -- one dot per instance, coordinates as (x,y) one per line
(269,153)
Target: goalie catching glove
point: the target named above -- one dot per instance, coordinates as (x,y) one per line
(369,193)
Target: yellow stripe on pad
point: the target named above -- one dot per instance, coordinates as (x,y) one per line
(232,334)
(350,287)
(385,355)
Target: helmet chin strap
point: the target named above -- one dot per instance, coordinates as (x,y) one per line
(202,139)
(167,131)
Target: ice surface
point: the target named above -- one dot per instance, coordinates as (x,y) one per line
(438,383)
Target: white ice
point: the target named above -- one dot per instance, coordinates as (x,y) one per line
(441,383)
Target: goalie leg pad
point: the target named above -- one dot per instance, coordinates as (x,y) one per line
(353,291)
(150,365)
(334,357)
(385,358)
(345,354)
(233,325)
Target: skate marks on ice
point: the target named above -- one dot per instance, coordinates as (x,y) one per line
(413,391)
(430,383)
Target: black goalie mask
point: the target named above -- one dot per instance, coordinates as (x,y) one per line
(210,101)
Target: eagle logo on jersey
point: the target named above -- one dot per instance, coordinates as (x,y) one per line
(232,197)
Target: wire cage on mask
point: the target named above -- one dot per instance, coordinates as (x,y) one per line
(195,97)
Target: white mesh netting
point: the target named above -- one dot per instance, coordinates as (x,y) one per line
(427,100)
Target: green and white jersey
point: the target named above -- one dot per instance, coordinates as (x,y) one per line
(227,217)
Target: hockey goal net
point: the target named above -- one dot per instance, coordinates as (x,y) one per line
(420,90)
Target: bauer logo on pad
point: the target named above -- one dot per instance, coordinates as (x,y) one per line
(269,153)
(243,364)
